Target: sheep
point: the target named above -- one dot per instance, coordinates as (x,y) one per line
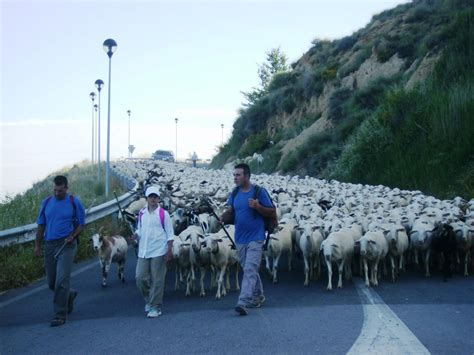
(464,234)
(444,242)
(279,242)
(222,256)
(397,240)
(309,244)
(420,236)
(110,249)
(181,258)
(338,247)
(374,248)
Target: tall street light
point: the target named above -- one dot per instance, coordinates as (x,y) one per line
(92,96)
(222,134)
(176,151)
(95,130)
(99,84)
(110,46)
(129,112)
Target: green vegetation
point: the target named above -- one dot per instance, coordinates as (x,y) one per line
(23,208)
(20,266)
(381,133)
(422,139)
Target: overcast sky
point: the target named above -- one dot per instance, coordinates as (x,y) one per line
(184,59)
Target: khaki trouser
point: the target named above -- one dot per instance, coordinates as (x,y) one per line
(250,256)
(58,273)
(150,275)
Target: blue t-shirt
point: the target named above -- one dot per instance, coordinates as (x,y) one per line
(249,224)
(58,217)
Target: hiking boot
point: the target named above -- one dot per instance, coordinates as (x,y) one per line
(56,322)
(241,310)
(70,303)
(260,301)
(147,308)
(154,312)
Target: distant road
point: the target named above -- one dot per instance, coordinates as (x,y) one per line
(414,315)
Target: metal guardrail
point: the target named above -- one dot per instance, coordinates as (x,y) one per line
(26,233)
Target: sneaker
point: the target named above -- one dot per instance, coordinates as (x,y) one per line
(154,312)
(70,304)
(241,310)
(56,322)
(260,302)
(147,308)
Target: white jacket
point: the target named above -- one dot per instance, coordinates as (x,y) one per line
(153,239)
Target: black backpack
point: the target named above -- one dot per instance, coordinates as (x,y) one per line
(271,223)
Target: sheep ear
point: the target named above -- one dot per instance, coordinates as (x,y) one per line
(100,230)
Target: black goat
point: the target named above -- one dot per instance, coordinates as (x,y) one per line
(444,242)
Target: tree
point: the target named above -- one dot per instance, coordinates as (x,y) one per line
(276,62)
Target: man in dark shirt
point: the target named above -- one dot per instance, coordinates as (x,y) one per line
(60,221)
(249,211)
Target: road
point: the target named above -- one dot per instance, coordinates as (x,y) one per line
(414,315)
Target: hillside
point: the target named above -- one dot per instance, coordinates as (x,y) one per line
(391,104)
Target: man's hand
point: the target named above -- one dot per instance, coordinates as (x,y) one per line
(38,251)
(70,239)
(253,203)
(169,256)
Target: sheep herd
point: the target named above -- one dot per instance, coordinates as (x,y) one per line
(356,229)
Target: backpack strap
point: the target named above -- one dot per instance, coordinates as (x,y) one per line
(44,207)
(235,191)
(161,213)
(162,217)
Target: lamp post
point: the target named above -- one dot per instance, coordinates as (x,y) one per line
(110,46)
(92,96)
(222,134)
(98,84)
(129,112)
(95,130)
(176,151)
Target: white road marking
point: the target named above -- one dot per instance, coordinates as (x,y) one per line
(43,287)
(382,331)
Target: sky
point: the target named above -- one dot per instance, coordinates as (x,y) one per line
(175,59)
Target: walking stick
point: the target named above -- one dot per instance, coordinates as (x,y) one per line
(206,201)
(128,223)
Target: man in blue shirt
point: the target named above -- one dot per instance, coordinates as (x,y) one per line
(60,221)
(249,211)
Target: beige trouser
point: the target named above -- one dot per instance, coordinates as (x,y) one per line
(150,275)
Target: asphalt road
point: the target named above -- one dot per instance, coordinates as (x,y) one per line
(418,312)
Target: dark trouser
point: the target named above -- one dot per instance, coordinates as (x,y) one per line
(58,273)
(250,256)
(150,275)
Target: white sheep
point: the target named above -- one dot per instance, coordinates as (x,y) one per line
(338,247)
(309,244)
(373,248)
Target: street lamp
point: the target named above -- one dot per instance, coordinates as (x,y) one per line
(129,112)
(222,134)
(176,151)
(110,46)
(98,84)
(92,96)
(95,130)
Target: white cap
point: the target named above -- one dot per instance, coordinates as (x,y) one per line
(152,190)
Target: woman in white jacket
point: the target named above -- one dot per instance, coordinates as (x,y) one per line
(155,235)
